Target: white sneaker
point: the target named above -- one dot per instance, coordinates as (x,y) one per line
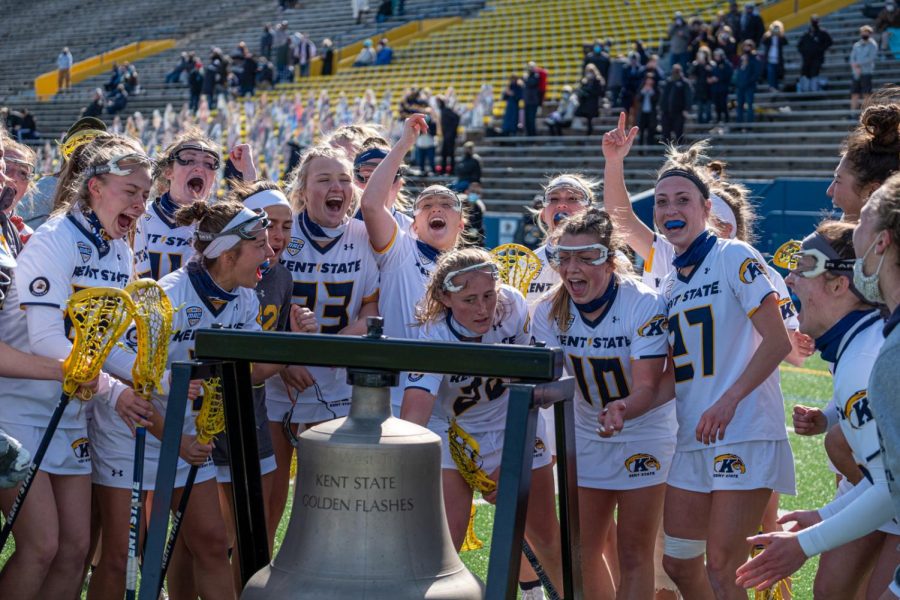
(536,593)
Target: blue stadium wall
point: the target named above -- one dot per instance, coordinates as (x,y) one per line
(788,209)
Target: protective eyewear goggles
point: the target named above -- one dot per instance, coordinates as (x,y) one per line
(447,199)
(809,262)
(581,193)
(116,165)
(812,263)
(21,170)
(558,255)
(210,162)
(486,267)
(287,428)
(246,230)
(365,178)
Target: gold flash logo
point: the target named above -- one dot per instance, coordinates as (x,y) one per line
(857,410)
(657,325)
(750,270)
(81,448)
(729,464)
(641,463)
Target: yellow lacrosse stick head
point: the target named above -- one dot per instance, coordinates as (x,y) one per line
(99,315)
(465,452)
(152,316)
(518,265)
(786,255)
(211,420)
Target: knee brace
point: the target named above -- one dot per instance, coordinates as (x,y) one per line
(683,549)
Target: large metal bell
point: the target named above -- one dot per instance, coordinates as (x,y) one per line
(368,516)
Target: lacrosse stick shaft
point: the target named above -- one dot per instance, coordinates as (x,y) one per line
(176,523)
(137,488)
(35,465)
(539,570)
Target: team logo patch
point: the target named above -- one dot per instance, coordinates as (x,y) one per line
(641,465)
(194,313)
(857,410)
(569,322)
(657,325)
(295,246)
(85,251)
(413,377)
(750,270)
(81,448)
(539,447)
(788,309)
(729,465)
(39,286)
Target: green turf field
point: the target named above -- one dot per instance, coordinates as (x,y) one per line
(815,483)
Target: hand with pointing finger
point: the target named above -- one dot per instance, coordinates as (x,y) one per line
(617,143)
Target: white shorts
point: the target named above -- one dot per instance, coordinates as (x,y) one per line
(890,527)
(307,413)
(610,465)
(550,420)
(491,447)
(736,467)
(117,471)
(266,466)
(69,452)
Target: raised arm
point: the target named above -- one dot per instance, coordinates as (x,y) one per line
(376,213)
(616,146)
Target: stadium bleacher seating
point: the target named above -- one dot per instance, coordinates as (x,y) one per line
(793,135)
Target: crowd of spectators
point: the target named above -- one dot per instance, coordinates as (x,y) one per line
(709,70)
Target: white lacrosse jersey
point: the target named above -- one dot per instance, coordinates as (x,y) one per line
(406,265)
(599,355)
(713,340)
(659,264)
(856,355)
(546,278)
(62,257)
(203,304)
(199,304)
(334,282)
(478,403)
(160,246)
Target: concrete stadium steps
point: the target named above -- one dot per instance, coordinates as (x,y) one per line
(316,18)
(101,25)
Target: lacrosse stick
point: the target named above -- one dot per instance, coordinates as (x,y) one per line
(780,590)
(99,317)
(786,255)
(210,422)
(469,466)
(518,265)
(465,451)
(153,325)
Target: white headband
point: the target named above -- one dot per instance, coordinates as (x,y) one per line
(227,242)
(723,213)
(266,198)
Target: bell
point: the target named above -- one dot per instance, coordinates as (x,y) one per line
(368,516)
